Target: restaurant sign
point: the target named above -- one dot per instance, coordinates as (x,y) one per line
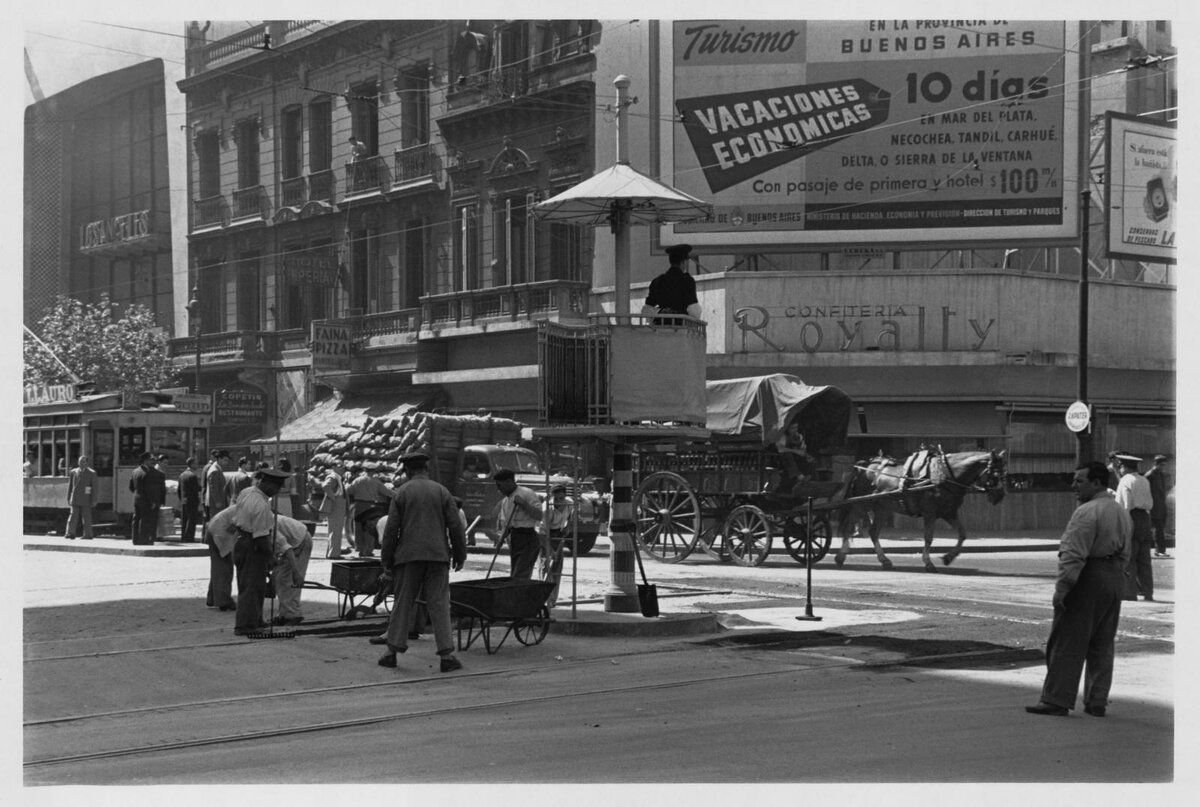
(240,405)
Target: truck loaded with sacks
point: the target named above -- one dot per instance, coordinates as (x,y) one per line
(464,452)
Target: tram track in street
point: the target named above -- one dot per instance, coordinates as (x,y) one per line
(828,661)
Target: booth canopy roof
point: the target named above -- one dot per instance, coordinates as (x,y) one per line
(764,405)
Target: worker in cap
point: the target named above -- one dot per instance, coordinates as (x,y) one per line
(253,551)
(1160,483)
(422,541)
(674,291)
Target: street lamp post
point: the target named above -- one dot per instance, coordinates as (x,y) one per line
(193,309)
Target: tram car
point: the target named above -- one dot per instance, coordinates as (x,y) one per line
(112,430)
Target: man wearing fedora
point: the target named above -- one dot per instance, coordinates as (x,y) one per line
(422,541)
(254,549)
(1160,482)
(674,291)
(1133,493)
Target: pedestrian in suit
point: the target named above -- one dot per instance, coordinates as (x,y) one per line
(81,497)
(149,488)
(216,497)
(189,502)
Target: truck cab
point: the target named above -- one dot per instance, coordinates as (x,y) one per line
(474,485)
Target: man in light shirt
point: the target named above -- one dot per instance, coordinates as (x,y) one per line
(254,551)
(520,514)
(1087,598)
(1133,493)
(293,548)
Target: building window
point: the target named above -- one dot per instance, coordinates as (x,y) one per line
(246,136)
(466,246)
(212,297)
(512,232)
(208,161)
(292,148)
(414,263)
(364,115)
(472,58)
(320,136)
(413,86)
(246,293)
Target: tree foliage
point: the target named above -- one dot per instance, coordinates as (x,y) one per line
(115,354)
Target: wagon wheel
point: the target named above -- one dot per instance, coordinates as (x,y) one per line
(667,515)
(748,535)
(533,630)
(798,538)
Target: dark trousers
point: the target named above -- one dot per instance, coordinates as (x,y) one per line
(251,557)
(1139,562)
(188,521)
(145,523)
(1160,534)
(1083,637)
(220,577)
(523,552)
(430,579)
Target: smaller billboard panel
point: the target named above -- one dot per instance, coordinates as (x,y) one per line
(1143,189)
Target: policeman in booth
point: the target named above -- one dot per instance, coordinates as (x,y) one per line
(674,291)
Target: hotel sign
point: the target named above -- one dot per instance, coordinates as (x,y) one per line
(121,229)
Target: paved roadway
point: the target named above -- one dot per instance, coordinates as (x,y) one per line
(909,677)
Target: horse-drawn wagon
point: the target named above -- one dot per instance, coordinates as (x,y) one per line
(733,494)
(767,460)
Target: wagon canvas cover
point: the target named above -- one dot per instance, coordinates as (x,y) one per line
(763,405)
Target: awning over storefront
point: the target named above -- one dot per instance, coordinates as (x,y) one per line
(927,420)
(332,413)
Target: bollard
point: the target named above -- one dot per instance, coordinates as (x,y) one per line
(622,594)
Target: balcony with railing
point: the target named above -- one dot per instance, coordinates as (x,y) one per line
(233,42)
(366,175)
(236,346)
(525,302)
(250,203)
(414,164)
(622,370)
(209,212)
(293,192)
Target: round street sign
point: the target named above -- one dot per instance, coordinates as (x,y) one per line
(1078,415)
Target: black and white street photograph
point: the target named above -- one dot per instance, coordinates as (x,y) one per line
(729,406)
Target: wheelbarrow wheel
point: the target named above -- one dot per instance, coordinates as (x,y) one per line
(533,630)
(799,538)
(747,535)
(667,515)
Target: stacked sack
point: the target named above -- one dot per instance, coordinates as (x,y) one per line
(377,444)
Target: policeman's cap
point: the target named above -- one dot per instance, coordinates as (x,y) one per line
(1161,458)
(679,252)
(415,459)
(271,473)
(1127,459)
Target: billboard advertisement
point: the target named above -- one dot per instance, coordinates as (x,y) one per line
(1143,189)
(806,134)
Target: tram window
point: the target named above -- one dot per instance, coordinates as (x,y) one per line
(133,444)
(171,442)
(102,452)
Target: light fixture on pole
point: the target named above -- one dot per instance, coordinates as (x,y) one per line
(193,309)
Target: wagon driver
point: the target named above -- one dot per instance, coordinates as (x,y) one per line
(674,291)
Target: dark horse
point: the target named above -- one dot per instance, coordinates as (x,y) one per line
(929,485)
